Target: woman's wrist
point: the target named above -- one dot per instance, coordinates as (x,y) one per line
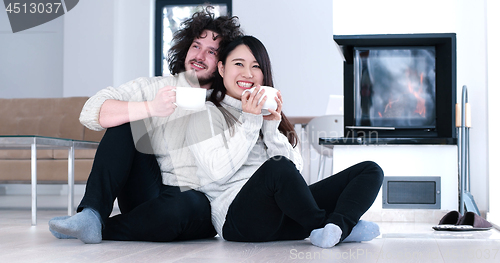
(270,127)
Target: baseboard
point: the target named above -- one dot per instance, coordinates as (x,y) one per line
(405,215)
(42,189)
(412,215)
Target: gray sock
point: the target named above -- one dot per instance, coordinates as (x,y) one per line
(327,236)
(363,231)
(85,226)
(57,234)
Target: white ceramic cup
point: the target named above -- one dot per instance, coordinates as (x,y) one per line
(270,103)
(190,98)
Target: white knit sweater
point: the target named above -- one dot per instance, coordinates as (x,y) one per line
(227,161)
(167,133)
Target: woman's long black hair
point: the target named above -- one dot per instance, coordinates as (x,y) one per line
(260,53)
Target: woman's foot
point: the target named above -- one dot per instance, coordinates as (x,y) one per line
(85,226)
(363,231)
(327,236)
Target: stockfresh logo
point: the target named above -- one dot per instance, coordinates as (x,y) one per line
(27,14)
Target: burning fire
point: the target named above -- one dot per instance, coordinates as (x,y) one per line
(420,107)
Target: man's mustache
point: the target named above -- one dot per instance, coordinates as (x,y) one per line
(198,62)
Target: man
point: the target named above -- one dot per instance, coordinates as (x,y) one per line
(142,160)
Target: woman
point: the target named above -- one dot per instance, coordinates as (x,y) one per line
(249,165)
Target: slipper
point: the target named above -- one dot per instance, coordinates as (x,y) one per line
(469,222)
(448,221)
(474,220)
(451,218)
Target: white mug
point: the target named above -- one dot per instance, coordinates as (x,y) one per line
(190,98)
(270,103)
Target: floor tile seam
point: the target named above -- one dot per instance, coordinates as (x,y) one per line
(381,249)
(440,249)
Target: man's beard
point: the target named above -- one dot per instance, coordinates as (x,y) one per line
(206,80)
(201,81)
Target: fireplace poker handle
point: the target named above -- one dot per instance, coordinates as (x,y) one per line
(468,115)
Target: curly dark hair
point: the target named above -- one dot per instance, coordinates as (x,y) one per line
(227,28)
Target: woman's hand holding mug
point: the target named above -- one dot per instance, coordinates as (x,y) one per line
(253,100)
(263,96)
(275,114)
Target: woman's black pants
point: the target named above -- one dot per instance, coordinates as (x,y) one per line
(276,203)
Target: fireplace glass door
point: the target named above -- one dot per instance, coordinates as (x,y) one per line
(395,87)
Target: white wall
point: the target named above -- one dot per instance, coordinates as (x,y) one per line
(106,46)
(307,67)
(393,16)
(493,109)
(31,61)
(133,39)
(472,71)
(88,48)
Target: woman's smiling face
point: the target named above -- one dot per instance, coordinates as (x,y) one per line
(240,72)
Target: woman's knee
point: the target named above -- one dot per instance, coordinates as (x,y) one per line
(277,165)
(280,161)
(375,170)
(277,168)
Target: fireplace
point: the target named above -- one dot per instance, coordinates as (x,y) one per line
(399,86)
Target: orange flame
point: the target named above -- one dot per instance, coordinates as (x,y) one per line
(420,108)
(389,104)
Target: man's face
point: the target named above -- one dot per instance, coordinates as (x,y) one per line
(202,56)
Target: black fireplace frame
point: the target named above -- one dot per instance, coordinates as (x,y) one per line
(445,46)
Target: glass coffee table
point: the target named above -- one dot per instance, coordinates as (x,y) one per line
(33,142)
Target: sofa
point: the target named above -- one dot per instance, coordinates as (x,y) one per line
(50,117)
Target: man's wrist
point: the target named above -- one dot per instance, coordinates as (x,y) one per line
(147,109)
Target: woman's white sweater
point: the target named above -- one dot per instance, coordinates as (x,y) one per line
(226,161)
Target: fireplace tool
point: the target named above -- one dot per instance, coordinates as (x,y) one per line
(463,124)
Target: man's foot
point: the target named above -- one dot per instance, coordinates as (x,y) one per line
(85,226)
(327,236)
(363,231)
(57,234)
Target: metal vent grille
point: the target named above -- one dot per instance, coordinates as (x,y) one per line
(411,192)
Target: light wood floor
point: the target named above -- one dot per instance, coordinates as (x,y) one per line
(399,242)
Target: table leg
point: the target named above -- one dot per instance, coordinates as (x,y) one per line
(33,183)
(71,179)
